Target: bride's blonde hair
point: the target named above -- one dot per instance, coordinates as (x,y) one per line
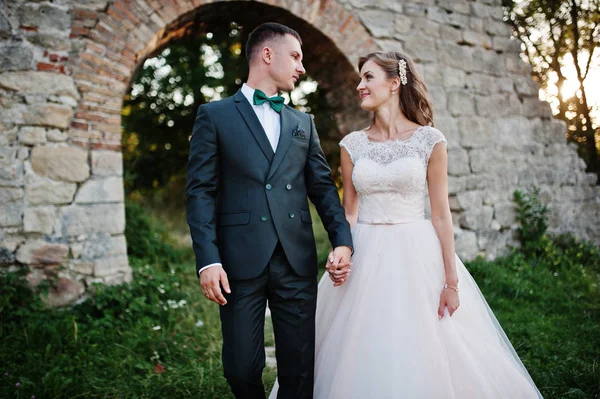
(414,98)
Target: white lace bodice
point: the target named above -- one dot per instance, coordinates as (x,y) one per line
(391,177)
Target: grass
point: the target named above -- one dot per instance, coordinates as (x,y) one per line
(144,340)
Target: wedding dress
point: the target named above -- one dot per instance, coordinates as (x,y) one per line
(378,335)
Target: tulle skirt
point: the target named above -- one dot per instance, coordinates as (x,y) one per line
(379,336)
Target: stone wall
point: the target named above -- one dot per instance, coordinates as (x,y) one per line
(66,64)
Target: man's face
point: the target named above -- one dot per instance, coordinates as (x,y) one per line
(286,63)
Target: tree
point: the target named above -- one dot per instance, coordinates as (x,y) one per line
(555,33)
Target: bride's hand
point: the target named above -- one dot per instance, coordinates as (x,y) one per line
(338,271)
(449,299)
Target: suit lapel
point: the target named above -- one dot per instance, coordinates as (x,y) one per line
(254,125)
(285,139)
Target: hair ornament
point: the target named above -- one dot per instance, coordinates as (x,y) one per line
(402,72)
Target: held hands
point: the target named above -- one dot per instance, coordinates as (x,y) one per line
(338,265)
(211,280)
(449,299)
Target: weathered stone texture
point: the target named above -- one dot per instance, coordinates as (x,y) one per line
(65,163)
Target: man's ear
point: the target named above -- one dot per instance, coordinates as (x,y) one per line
(267,55)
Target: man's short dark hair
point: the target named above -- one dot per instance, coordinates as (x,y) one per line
(264,33)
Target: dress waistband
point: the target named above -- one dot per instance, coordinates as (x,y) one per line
(386,221)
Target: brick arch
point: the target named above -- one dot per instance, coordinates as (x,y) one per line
(131,31)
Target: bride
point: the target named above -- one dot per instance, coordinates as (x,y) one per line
(407,320)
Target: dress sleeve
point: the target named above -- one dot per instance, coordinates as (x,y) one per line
(350,143)
(433,137)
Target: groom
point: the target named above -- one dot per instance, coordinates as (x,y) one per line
(253,163)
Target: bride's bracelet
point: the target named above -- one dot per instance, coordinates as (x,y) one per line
(452,288)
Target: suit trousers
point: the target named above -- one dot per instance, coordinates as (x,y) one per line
(292,301)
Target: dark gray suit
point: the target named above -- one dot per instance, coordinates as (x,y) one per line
(247,208)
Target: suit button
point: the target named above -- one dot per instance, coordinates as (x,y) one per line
(292,215)
(288,186)
(268,186)
(263,218)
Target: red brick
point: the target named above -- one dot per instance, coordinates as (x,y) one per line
(28,28)
(80,13)
(80,126)
(95,47)
(42,66)
(346,23)
(105,146)
(77,31)
(124,10)
(90,117)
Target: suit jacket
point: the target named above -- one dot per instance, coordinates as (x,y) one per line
(242,199)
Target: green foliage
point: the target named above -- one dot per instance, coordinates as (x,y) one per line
(147,238)
(532,215)
(549,307)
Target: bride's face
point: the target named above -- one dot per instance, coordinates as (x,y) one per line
(374,87)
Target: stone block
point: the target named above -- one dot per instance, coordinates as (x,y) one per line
(498,105)
(32,135)
(56,135)
(465,243)
(459,6)
(476,132)
(421,48)
(51,115)
(15,56)
(91,219)
(39,82)
(107,163)
(44,191)
(8,163)
(488,62)
(100,190)
(379,23)
(505,214)
(65,292)
(469,200)
(454,78)
(85,268)
(104,246)
(477,39)
(40,252)
(402,24)
(478,218)
(456,184)
(11,214)
(458,162)
(47,16)
(110,266)
(39,219)
(460,103)
(65,163)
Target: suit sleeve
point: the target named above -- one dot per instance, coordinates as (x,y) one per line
(323,193)
(202,189)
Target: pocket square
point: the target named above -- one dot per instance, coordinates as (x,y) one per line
(299,132)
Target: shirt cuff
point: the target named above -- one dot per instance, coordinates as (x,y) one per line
(207,266)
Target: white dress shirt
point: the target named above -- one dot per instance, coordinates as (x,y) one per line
(271,123)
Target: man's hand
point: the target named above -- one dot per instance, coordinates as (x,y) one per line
(338,265)
(211,280)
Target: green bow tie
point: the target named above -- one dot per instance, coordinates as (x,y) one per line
(275,102)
